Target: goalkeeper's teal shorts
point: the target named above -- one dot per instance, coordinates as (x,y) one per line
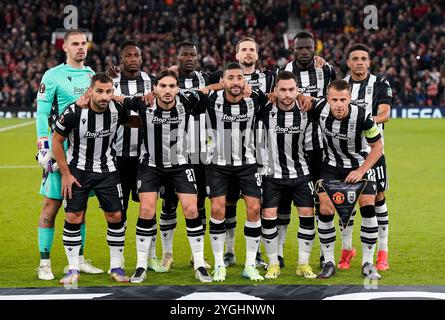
(51,186)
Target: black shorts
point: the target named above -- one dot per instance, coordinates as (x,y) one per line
(332,173)
(233,191)
(301,191)
(314,162)
(128,172)
(220,177)
(106,186)
(285,204)
(151,179)
(380,173)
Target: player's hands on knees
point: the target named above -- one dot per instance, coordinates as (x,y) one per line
(84,101)
(67,185)
(113,71)
(354,176)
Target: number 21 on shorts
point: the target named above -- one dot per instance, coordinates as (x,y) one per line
(190,175)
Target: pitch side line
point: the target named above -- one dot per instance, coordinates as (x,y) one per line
(17,126)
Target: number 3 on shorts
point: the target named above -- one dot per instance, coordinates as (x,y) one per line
(258,179)
(190,175)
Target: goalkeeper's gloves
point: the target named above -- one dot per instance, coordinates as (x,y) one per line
(45,157)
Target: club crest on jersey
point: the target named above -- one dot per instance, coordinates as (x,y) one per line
(320,74)
(180,109)
(249,104)
(114,118)
(273,114)
(368,90)
(338,197)
(218,105)
(352,126)
(351,196)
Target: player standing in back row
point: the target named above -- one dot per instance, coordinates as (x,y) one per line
(311,81)
(130,82)
(374,93)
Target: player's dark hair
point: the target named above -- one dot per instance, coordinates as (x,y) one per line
(133,43)
(71,32)
(244,40)
(304,35)
(101,77)
(339,85)
(166,73)
(358,46)
(285,75)
(182,44)
(232,66)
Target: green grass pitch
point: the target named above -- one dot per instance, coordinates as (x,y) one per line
(415,151)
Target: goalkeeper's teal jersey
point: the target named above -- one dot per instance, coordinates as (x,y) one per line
(60,86)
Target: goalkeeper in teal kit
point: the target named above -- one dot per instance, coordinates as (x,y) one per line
(60,86)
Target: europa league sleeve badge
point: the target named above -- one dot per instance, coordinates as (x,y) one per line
(343,195)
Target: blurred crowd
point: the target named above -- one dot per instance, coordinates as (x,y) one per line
(408,47)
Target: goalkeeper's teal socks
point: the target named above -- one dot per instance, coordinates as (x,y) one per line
(83,231)
(46,237)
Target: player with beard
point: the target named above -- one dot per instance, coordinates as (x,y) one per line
(189,78)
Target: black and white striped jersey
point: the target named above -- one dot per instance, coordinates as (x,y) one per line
(231,128)
(284,136)
(91,136)
(370,93)
(259,80)
(129,140)
(345,141)
(165,131)
(196,146)
(312,82)
(197,81)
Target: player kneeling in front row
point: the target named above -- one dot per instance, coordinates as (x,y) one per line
(353,145)
(284,126)
(90,165)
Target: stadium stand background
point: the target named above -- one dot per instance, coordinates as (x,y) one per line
(408,48)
